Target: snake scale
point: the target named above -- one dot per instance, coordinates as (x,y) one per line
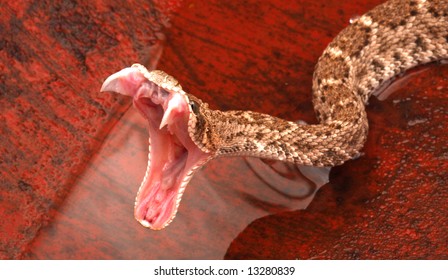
(185,133)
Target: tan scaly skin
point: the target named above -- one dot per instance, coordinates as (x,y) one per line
(185,133)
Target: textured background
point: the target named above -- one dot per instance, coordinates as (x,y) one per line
(71,159)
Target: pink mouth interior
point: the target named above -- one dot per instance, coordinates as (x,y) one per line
(173,156)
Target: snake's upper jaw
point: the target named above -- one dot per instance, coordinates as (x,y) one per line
(120,82)
(173,157)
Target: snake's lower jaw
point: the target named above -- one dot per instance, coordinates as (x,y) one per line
(172,160)
(173,157)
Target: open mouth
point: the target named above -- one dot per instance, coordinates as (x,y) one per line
(173,157)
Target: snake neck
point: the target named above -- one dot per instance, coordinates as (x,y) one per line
(247,133)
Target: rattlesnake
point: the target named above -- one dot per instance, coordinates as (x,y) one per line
(185,133)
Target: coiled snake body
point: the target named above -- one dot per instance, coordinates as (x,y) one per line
(185,133)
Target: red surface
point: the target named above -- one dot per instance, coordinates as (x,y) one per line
(72,159)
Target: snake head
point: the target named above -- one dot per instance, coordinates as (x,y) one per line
(173,156)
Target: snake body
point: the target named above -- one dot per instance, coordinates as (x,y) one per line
(388,40)
(382,43)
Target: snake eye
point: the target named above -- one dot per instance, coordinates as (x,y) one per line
(194,107)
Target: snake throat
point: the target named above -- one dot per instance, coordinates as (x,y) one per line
(172,157)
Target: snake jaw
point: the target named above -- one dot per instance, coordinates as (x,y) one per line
(173,157)
(123,82)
